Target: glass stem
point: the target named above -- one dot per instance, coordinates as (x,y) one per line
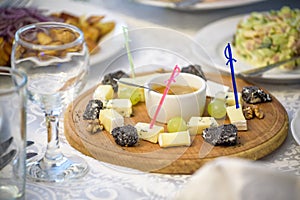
(53,152)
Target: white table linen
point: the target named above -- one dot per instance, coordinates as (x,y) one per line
(106,181)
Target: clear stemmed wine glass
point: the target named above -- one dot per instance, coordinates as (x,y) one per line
(56,60)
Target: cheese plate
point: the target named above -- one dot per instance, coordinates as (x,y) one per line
(262,137)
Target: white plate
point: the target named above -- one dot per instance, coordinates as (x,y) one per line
(214,38)
(295,126)
(20,3)
(199,6)
(108,46)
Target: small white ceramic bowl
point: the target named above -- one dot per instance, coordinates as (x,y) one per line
(184,105)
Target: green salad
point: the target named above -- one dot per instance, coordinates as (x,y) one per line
(266,38)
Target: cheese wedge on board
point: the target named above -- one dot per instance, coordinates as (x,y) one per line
(236,117)
(129,92)
(110,119)
(103,92)
(196,125)
(148,134)
(230,99)
(174,139)
(122,106)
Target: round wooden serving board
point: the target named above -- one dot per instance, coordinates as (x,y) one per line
(262,137)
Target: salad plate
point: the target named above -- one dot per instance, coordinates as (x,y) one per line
(295,126)
(108,46)
(204,5)
(214,41)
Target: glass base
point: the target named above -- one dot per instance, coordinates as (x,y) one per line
(11,192)
(70,167)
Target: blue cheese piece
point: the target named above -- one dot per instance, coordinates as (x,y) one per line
(237,117)
(196,125)
(148,134)
(230,99)
(174,139)
(122,106)
(110,119)
(103,92)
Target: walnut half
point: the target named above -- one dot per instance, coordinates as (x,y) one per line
(253,111)
(258,112)
(248,112)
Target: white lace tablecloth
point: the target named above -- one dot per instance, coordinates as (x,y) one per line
(106,181)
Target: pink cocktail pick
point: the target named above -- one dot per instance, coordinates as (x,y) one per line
(175,73)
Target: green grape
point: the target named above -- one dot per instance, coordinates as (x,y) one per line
(176,124)
(135,97)
(217,109)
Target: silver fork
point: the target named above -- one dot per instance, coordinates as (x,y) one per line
(134,85)
(260,70)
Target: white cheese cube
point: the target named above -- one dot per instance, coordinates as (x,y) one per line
(110,119)
(213,88)
(103,92)
(174,139)
(122,106)
(148,134)
(236,117)
(196,125)
(230,99)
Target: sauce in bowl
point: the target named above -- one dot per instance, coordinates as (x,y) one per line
(174,89)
